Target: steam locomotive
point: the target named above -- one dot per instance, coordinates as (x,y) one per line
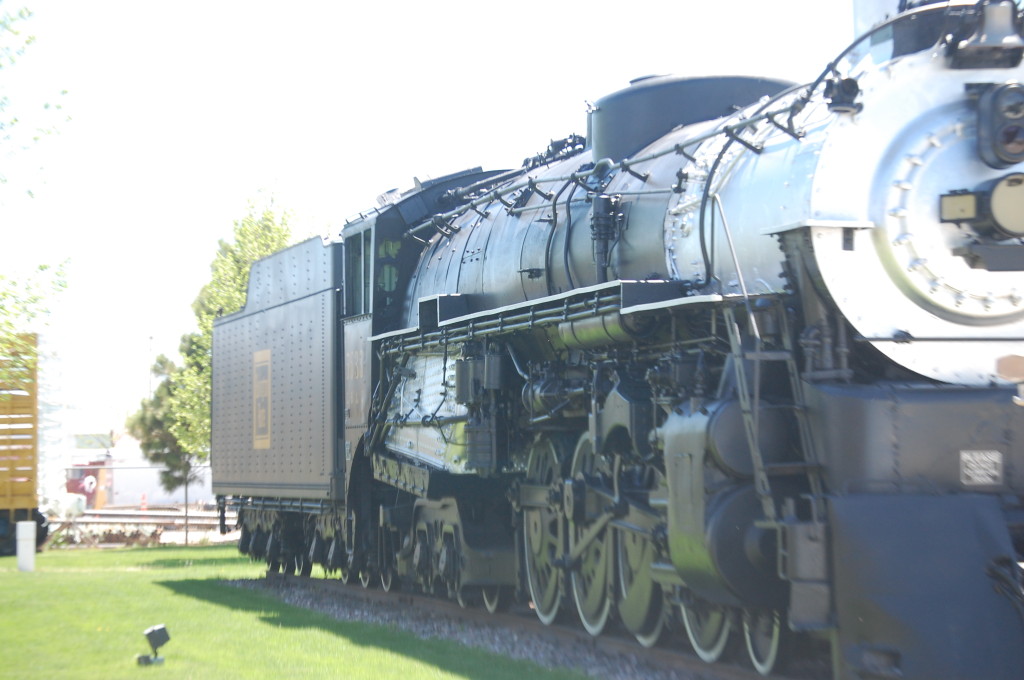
(743,359)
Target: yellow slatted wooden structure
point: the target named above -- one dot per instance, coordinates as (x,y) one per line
(19,438)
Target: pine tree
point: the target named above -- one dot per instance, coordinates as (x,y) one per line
(151,426)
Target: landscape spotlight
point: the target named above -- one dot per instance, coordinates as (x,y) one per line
(157,636)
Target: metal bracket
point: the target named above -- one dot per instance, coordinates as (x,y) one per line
(546,195)
(787,128)
(731,134)
(681,150)
(642,177)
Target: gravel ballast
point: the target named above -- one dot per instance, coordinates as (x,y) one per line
(541,649)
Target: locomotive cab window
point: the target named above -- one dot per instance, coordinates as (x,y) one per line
(387,257)
(358,268)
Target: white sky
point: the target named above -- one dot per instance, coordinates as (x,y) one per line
(183,113)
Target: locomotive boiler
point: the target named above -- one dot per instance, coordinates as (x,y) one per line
(742,358)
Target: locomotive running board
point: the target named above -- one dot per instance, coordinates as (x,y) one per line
(628,297)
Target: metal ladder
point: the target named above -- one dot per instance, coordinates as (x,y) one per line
(750,406)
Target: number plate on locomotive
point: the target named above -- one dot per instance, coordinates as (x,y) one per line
(981,468)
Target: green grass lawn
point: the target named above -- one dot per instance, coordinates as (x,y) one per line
(81,614)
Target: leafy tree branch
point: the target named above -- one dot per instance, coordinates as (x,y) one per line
(174,424)
(22,302)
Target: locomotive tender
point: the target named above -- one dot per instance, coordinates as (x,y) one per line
(744,357)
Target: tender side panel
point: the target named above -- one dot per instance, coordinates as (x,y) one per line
(277,385)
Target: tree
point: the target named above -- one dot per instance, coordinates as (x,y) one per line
(180,437)
(151,426)
(41,119)
(255,238)
(22,299)
(22,302)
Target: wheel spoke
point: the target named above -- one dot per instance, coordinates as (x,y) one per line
(590,585)
(543,536)
(641,602)
(590,580)
(707,626)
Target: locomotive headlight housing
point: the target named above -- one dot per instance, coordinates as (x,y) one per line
(1006,203)
(996,209)
(1001,125)
(959,207)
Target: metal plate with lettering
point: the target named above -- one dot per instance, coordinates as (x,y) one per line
(261,399)
(981,468)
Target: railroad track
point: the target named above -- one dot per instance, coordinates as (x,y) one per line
(132,526)
(200,519)
(671,658)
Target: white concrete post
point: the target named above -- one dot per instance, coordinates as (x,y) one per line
(26,546)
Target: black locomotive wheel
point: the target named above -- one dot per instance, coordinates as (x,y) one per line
(762,632)
(336,556)
(389,565)
(469,596)
(299,564)
(273,550)
(641,602)
(366,577)
(591,578)
(245,540)
(543,535)
(448,560)
(707,627)
(496,598)
(345,575)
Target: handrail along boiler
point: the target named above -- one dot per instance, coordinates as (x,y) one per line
(730,360)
